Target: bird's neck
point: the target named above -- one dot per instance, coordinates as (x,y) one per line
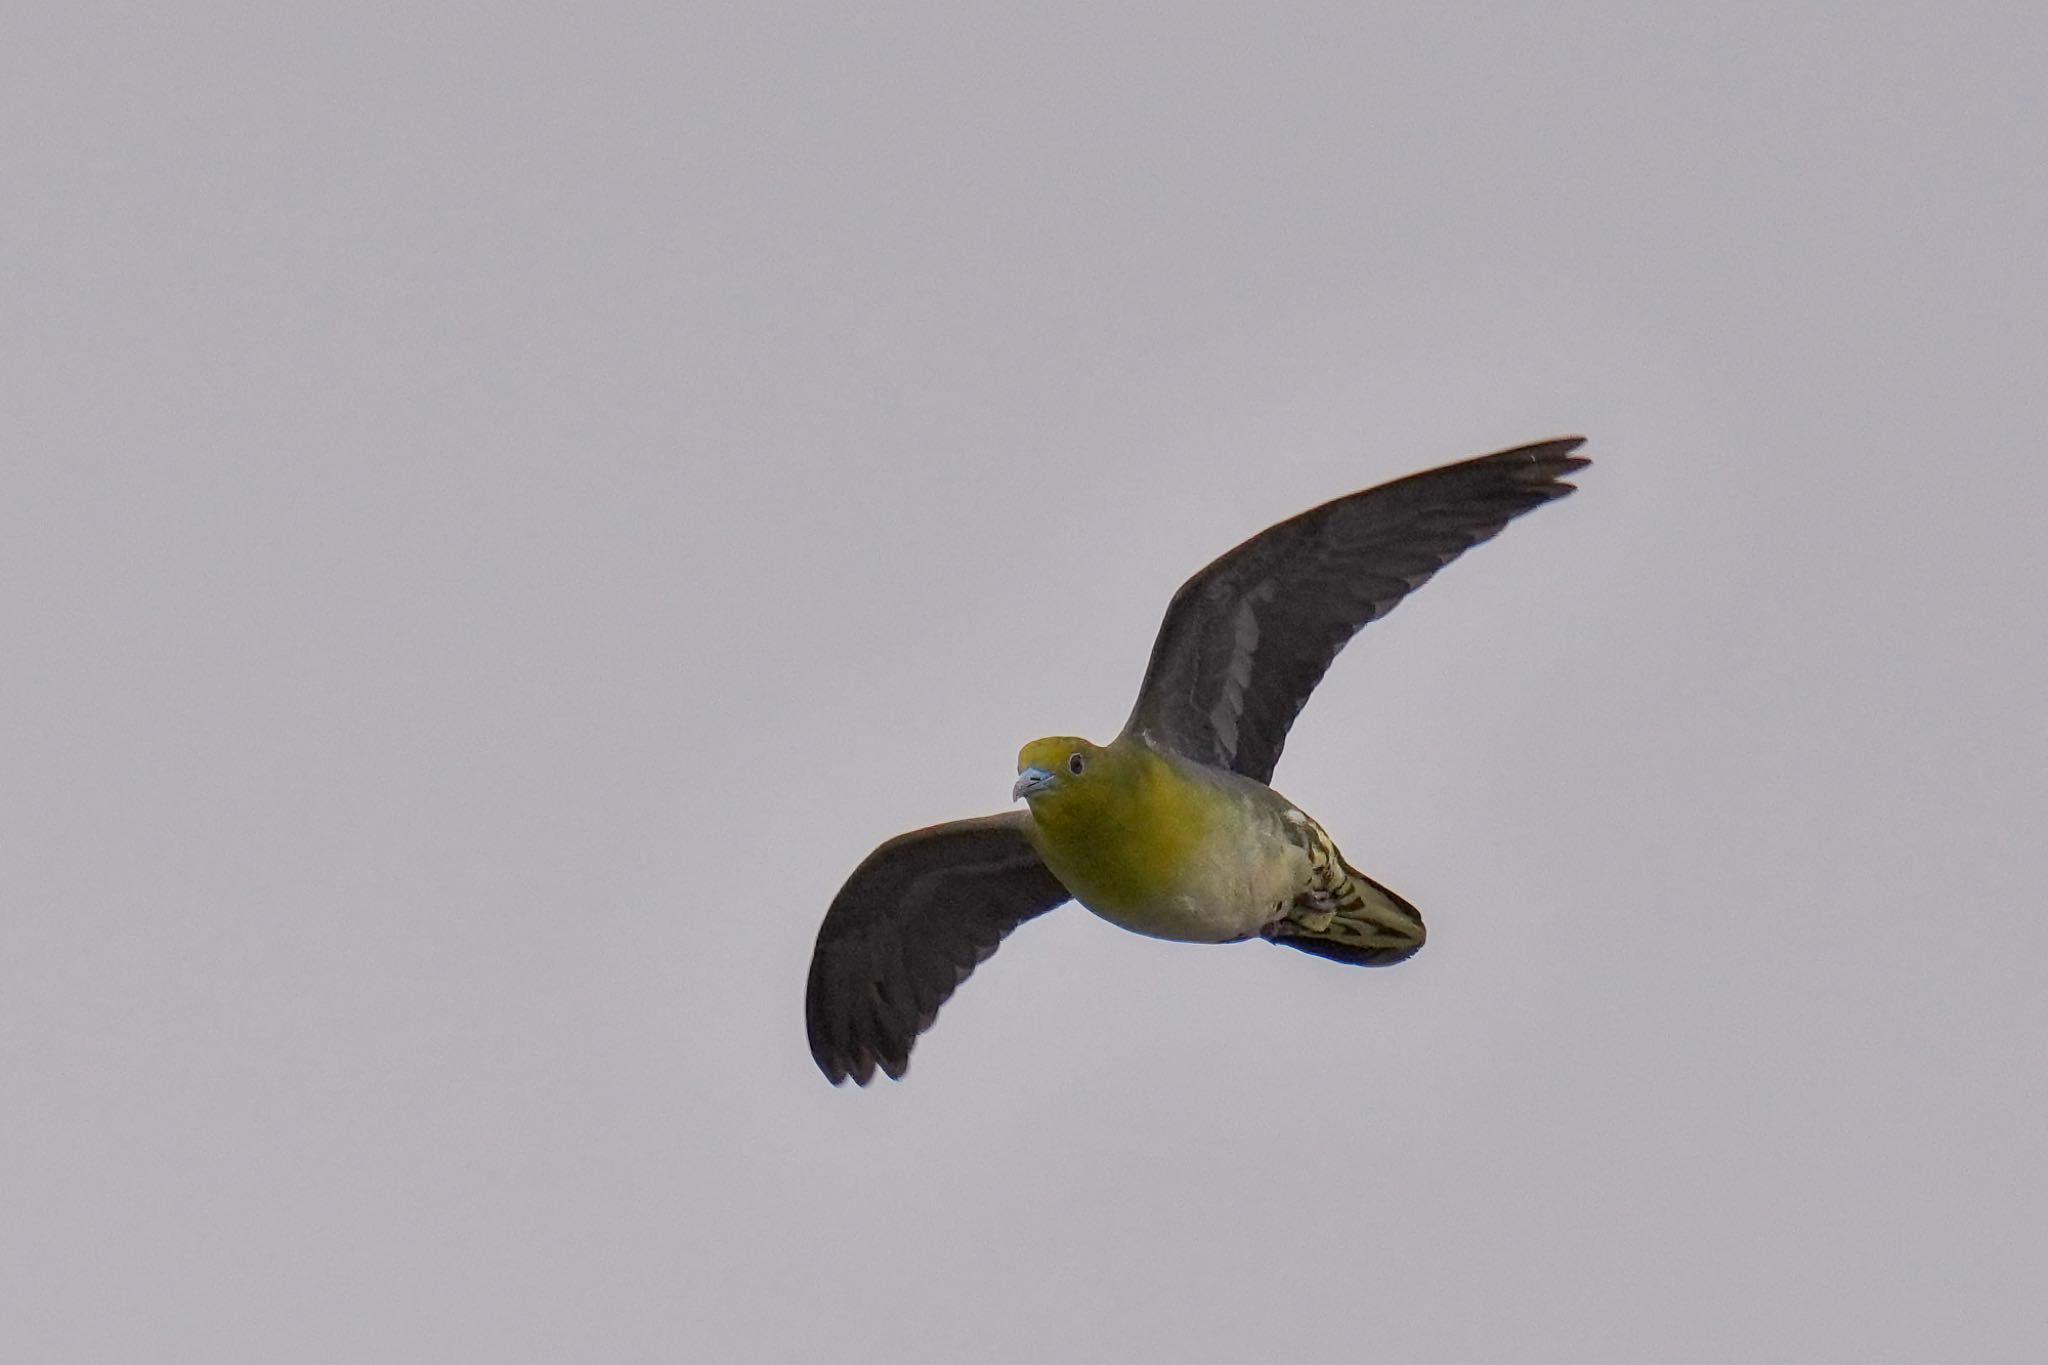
(1131,843)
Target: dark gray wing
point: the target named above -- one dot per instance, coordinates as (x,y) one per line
(919,914)
(1246,640)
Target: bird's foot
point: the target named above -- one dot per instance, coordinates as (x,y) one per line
(1314,921)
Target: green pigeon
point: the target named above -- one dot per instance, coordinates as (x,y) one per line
(1170,830)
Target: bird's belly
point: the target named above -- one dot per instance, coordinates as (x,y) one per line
(1187,919)
(1220,900)
(1190,861)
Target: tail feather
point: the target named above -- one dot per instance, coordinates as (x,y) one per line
(1354,920)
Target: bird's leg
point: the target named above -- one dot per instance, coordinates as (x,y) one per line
(1315,906)
(1316,921)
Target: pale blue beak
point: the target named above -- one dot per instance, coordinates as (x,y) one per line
(1031,782)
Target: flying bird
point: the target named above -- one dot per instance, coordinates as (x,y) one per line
(1170,830)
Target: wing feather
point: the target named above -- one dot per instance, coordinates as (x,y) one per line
(913,921)
(1246,640)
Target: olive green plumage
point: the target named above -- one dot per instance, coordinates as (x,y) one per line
(1170,829)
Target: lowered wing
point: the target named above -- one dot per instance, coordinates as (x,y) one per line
(914,919)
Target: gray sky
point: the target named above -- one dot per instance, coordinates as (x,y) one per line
(504,511)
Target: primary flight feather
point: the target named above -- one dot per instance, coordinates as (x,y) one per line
(1170,829)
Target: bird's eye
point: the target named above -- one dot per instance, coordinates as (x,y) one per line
(1075,763)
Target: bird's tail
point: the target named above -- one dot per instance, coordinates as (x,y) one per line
(1349,917)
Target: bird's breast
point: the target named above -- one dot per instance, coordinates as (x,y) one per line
(1193,865)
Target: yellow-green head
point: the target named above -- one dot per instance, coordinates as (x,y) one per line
(1071,782)
(1056,767)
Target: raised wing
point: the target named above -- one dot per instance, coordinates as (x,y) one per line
(1246,640)
(911,923)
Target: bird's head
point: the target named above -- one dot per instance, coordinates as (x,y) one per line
(1059,771)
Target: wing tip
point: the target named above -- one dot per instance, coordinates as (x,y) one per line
(1542,467)
(858,1068)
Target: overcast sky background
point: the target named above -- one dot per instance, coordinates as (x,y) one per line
(505,509)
